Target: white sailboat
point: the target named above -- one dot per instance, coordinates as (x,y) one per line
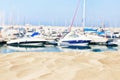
(73,38)
(93,37)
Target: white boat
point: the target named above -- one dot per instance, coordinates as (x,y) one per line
(33,40)
(114,42)
(73,39)
(96,39)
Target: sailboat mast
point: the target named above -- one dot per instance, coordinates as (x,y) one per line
(84,13)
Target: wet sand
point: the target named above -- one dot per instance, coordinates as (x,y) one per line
(60,66)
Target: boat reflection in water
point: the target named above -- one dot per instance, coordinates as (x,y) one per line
(48,48)
(102,48)
(33,49)
(75,48)
(25,49)
(95,48)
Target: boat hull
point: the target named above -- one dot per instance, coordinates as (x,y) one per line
(74,43)
(27,42)
(114,42)
(37,43)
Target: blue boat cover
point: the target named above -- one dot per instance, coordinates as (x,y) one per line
(90,30)
(94,30)
(35,34)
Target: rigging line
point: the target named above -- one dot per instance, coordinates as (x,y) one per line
(84,14)
(74,15)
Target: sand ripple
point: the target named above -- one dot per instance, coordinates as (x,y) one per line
(60,66)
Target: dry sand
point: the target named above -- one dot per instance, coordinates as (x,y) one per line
(60,66)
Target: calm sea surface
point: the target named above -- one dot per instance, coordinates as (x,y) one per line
(4,49)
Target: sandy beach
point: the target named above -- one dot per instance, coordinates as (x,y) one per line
(59,40)
(60,66)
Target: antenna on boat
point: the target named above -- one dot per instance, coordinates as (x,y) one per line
(84,14)
(24,23)
(74,15)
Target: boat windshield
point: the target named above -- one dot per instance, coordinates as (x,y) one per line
(74,35)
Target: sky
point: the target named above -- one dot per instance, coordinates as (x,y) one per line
(59,12)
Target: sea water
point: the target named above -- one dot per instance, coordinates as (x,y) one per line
(92,48)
